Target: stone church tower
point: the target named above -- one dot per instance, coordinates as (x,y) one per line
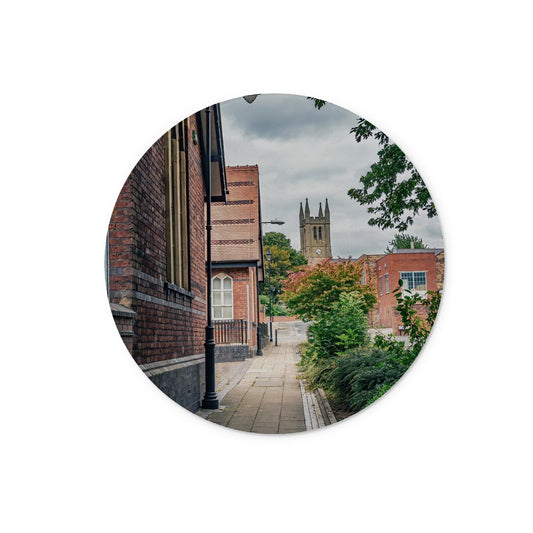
(315,240)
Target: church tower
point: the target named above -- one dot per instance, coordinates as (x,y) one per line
(315,240)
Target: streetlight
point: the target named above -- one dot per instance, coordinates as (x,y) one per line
(278,223)
(269,258)
(274,221)
(250,98)
(210,400)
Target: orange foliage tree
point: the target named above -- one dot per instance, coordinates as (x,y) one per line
(313,290)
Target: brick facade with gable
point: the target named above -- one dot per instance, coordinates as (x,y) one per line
(237,243)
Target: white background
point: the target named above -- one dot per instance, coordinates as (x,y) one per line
(89,444)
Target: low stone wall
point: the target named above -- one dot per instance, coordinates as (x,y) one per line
(124,320)
(231,352)
(182,379)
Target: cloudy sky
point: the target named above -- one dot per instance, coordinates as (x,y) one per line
(304,153)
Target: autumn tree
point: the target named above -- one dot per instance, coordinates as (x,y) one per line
(313,290)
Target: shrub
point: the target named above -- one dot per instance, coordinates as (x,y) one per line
(363,375)
(342,327)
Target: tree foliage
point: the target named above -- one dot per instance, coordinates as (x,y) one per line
(404,241)
(285,259)
(341,327)
(392,189)
(313,290)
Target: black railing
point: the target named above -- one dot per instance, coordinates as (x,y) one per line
(231,331)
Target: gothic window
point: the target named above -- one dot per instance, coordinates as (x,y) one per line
(320,232)
(222,286)
(314,233)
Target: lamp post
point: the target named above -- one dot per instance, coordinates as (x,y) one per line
(210,400)
(259,339)
(250,98)
(269,258)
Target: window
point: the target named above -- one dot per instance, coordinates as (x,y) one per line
(363,278)
(222,286)
(314,233)
(414,281)
(380,286)
(386,283)
(176,207)
(320,232)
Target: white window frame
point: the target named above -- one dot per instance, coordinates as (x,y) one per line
(422,292)
(381,285)
(386,284)
(223,292)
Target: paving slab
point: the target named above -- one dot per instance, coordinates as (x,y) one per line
(266,397)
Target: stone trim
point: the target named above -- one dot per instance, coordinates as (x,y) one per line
(233,241)
(240,183)
(160,367)
(121,310)
(155,300)
(234,202)
(234,221)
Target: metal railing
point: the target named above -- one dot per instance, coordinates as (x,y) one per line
(231,331)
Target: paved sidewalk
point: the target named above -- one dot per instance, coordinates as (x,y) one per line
(263,394)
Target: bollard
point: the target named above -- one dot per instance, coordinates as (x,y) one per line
(276,343)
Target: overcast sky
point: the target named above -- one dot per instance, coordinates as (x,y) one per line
(304,153)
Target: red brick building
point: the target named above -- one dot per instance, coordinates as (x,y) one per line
(421,270)
(238,251)
(156,269)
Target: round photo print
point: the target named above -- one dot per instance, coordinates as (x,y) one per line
(274,263)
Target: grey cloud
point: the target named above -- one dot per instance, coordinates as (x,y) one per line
(285,116)
(307,153)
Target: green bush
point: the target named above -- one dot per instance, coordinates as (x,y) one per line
(353,373)
(342,327)
(362,376)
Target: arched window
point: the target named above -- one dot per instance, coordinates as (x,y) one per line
(314,233)
(222,286)
(320,232)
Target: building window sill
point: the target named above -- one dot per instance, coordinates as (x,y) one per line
(170,287)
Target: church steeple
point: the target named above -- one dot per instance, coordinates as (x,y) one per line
(315,240)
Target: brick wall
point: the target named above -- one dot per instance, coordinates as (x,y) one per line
(393,264)
(169,321)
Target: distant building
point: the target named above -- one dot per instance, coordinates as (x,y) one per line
(238,256)
(421,270)
(315,238)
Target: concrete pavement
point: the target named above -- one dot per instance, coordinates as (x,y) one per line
(263,394)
